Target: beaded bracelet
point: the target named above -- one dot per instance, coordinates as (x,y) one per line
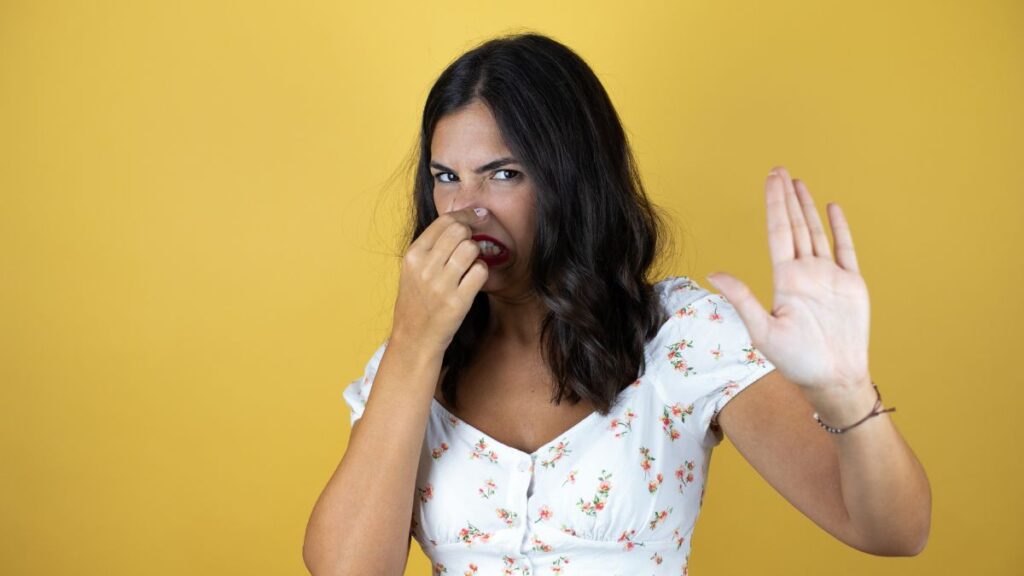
(874,412)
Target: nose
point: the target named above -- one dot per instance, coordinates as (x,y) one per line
(466,195)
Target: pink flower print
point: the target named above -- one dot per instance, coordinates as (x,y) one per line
(556,566)
(568,530)
(645,463)
(471,569)
(453,420)
(685,311)
(480,451)
(717,352)
(571,478)
(753,356)
(590,508)
(508,516)
(657,558)
(544,513)
(440,569)
(679,412)
(471,534)
(627,537)
(674,411)
(715,316)
(512,567)
(659,517)
(426,493)
(678,537)
(439,451)
(488,488)
(540,546)
(653,485)
(560,450)
(675,356)
(622,427)
(730,388)
(685,474)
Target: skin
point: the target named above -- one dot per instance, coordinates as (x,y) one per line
(462,142)
(865,486)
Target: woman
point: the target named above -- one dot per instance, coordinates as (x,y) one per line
(525,284)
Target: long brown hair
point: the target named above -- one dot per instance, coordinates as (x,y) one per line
(597,234)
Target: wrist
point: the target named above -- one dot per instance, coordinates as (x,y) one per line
(842,406)
(417,348)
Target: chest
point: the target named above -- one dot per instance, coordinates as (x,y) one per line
(511,402)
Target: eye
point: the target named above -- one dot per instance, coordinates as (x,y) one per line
(439,178)
(514,174)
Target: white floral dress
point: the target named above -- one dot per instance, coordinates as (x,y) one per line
(615,494)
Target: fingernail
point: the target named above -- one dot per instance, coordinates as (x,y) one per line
(481,212)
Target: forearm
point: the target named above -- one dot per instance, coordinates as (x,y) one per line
(361,522)
(884,486)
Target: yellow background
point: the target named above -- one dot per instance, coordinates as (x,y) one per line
(199,211)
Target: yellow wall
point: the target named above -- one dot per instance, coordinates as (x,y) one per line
(197,240)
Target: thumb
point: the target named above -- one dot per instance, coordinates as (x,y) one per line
(744,301)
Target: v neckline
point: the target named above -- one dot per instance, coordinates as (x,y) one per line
(472,433)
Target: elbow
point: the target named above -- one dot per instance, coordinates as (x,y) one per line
(318,558)
(311,558)
(916,544)
(911,541)
(898,537)
(905,547)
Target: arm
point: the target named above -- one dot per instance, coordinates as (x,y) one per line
(363,516)
(865,486)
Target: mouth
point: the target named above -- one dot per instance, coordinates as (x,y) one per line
(492,251)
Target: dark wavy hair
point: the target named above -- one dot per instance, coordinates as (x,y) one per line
(597,234)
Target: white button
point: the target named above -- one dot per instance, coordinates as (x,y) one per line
(524,466)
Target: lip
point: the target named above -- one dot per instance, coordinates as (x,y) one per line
(497,259)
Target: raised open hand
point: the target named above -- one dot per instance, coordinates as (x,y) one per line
(817,331)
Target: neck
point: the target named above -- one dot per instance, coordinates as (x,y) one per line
(515,323)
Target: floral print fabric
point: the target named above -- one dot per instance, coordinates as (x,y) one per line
(615,494)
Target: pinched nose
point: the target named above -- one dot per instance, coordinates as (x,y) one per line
(464,196)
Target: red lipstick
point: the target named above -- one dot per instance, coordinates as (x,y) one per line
(496,259)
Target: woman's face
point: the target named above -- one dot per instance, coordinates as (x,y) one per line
(472,167)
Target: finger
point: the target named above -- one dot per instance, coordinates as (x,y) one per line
(473,280)
(801,235)
(437,228)
(441,253)
(818,238)
(780,233)
(459,262)
(749,308)
(845,255)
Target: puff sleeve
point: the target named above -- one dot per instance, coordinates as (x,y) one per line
(358,391)
(704,356)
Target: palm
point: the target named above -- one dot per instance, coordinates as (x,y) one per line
(817,331)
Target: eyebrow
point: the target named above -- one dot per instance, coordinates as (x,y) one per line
(489,166)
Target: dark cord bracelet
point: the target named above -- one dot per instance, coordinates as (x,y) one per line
(874,412)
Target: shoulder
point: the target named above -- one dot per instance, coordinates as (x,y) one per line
(703,354)
(675,292)
(703,327)
(691,308)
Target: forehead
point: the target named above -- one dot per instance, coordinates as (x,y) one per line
(470,134)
